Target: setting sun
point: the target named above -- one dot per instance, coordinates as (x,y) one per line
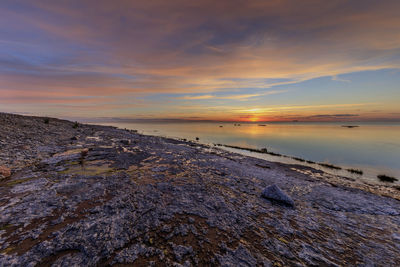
(253,119)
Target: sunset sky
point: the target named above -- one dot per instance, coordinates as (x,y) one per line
(204,60)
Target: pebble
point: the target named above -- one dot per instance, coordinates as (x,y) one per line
(4,172)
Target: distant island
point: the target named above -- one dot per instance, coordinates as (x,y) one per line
(75,194)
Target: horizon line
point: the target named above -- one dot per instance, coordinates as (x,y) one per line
(191,120)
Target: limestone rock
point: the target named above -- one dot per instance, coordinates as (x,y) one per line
(166,202)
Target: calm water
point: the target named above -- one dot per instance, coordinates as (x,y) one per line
(374,148)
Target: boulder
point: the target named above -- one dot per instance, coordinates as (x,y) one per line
(4,172)
(273,192)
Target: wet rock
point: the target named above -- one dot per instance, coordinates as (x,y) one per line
(274,193)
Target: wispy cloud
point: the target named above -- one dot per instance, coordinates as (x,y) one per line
(200,50)
(336,78)
(230,97)
(196,97)
(305,107)
(333,115)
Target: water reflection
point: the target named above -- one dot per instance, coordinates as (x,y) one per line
(375,148)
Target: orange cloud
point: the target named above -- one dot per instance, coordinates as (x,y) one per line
(83,52)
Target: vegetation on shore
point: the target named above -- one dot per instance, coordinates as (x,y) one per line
(299,159)
(323,164)
(330,166)
(356,171)
(262,150)
(386,178)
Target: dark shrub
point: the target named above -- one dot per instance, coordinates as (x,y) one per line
(298,159)
(355,171)
(330,166)
(385,178)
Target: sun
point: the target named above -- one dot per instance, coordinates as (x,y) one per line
(253,119)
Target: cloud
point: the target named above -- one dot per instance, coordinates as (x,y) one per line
(260,110)
(203,50)
(230,97)
(198,97)
(333,115)
(336,78)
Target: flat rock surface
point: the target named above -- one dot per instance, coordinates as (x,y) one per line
(101,196)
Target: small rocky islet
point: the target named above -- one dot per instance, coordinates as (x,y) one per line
(88,195)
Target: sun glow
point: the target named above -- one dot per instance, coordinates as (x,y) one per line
(253,119)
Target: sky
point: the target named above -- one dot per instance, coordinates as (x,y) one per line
(234,60)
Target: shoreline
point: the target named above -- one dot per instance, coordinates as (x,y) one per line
(99,195)
(387,189)
(343,161)
(348,176)
(391,182)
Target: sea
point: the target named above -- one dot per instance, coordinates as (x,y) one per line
(373,147)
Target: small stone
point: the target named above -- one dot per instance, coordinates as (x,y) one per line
(273,192)
(84,152)
(4,172)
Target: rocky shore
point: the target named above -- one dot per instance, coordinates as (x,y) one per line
(87,195)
